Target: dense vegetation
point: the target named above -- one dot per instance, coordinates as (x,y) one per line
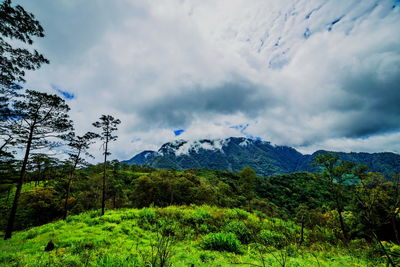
(301,201)
(181,236)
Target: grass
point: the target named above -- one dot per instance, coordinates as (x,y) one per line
(132,237)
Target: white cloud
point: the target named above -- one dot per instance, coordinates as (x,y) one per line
(323,74)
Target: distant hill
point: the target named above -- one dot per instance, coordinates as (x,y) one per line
(235,153)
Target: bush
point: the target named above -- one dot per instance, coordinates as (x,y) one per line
(206,257)
(203,228)
(240,230)
(40,205)
(197,216)
(322,234)
(237,214)
(147,217)
(222,242)
(272,239)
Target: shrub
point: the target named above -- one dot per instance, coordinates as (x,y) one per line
(240,230)
(322,234)
(41,205)
(222,242)
(171,212)
(197,216)
(272,239)
(32,233)
(236,214)
(203,228)
(393,250)
(206,257)
(147,217)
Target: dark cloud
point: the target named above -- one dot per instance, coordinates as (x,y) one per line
(375,103)
(179,109)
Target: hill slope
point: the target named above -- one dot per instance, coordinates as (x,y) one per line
(203,236)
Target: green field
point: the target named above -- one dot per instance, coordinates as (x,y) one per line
(180,236)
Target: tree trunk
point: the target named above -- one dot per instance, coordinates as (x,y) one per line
(103,199)
(302,233)
(342,226)
(66,198)
(339,209)
(8,194)
(69,185)
(396,233)
(6,142)
(172,195)
(11,219)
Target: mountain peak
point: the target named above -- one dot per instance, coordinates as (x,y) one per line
(235,153)
(183,147)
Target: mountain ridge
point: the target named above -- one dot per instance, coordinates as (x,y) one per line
(235,153)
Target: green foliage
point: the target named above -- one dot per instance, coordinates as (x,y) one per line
(239,228)
(222,242)
(117,239)
(278,196)
(18,24)
(272,238)
(256,223)
(147,217)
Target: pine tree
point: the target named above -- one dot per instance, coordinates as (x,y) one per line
(42,118)
(108,125)
(16,24)
(78,146)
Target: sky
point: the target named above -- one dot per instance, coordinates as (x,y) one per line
(311,74)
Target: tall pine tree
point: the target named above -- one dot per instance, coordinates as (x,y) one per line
(108,125)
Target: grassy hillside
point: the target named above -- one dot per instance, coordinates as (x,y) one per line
(180,236)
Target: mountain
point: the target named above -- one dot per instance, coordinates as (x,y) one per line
(141,158)
(235,153)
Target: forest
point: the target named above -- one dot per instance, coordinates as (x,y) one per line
(61,210)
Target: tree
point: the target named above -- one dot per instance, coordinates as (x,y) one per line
(377,205)
(335,173)
(7,122)
(79,146)
(15,24)
(108,125)
(42,118)
(302,216)
(247,181)
(42,166)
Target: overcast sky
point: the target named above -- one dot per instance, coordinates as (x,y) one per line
(309,74)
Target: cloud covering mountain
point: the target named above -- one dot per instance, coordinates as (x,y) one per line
(236,153)
(310,74)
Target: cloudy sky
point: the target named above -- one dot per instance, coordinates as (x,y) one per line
(312,74)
